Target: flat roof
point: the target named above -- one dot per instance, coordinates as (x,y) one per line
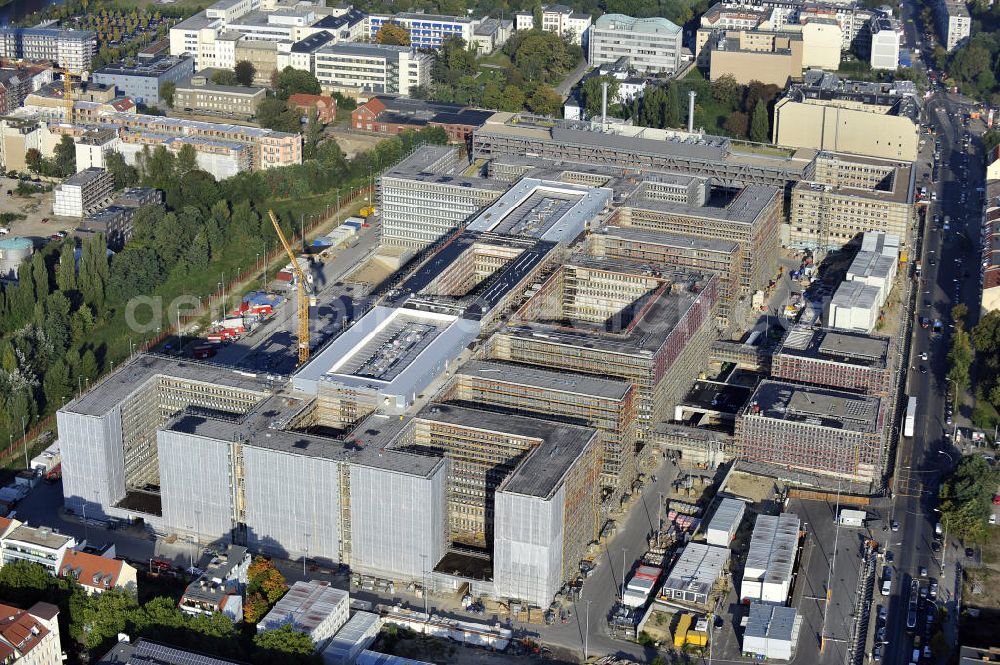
(87,175)
(836,346)
(772,622)
(354,632)
(538,377)
(812,405)
(746,207)
(729,512)
(674,240)
(772,549)
(872,264)
(541,472)
(856,294)
(716,396)
(40,536)
(152,68)
(697,568)
(142,652)
(130,377)
(305,606)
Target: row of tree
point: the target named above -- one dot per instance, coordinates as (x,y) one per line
(61,165)
(967,498)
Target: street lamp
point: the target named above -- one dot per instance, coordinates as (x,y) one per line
(305,555)
(586,635)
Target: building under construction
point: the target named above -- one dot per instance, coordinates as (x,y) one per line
(817,430)
(617,319)
(834,358)
(605,404)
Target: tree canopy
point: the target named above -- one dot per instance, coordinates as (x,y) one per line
(245,72)
(392,34)
(967,497)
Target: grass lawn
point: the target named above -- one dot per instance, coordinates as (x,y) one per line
(495,59)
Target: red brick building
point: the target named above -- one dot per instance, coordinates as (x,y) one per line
(385,114)
(325,107)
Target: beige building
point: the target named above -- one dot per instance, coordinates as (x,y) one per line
(751,55)
(263,55)
(849,195)
(860,118)
(200,95)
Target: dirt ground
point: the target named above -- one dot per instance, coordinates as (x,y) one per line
(352,143)
(36,208)
(755,488)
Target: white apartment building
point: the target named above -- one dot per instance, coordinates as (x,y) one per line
(373,68)
(37,545)
(556,18)
(71,49)
(82,192)
(954,23)
(650,44)
(427,30)
(885,44)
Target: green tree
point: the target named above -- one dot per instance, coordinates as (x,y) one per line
(245,73)
(760,126)
(66,270)
(124,174)
(167,91)
(737,124)
(672,106)
(591,94)
(313,134)
(65,155)
(545,101)
(726,90)
(285,645)
(274,113)
(513,99)
(958,314)
(33,159)
(291,81)
(391,33)
(104,616)
(224,77)
(960,359)
(187,160)
(966,498)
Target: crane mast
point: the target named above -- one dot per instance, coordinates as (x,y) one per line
(300,280)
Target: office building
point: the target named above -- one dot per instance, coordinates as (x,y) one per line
(695,573)
(954,23)
(752,55)
(849,195)
(82,192)
(98,573)
(858,117)
(606,404)
(652,330)
(144,652)
(371,68)
(651,45)
(834,358)
(427,195)
(144,80)
(427,30)
(199,95)
(220,587)
(70,49)
(819,430)
(30,637)
(40,545)
(767,573)
(314,608)
(559,19)
(772,631)
(886,35)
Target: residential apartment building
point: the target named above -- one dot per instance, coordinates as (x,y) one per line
(144,80)
(115,221)
(324,106)
(220,588)
(954,23)
(427,30)
(886,35)
(30,637)
(144,652)
(853,19)
(70,49)
(17,82)
(650,44)
(835,359)
(816,430)
(371,68)
(605,404)
(98,573)
(722,17)
(83,192)
(39,545)
(858,117)
(849,195)
(200,95)
(559,19)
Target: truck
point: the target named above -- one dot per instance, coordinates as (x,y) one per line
(911,417)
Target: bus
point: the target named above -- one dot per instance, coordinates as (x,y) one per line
(911,416)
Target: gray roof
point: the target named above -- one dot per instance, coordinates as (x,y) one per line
(40,536)
(746,207)
(836,346)
(130,377)
(148,68)
(675,240)
(149,653)
(697,568)
(772,547)
(354,632)
(84,177)
(872,264)
(821,407)
(369,50)
(537,377)
(773,622)
(855,294)
(305,606)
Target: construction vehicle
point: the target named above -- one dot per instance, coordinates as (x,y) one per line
(300,284)
(367,211)
(683,626)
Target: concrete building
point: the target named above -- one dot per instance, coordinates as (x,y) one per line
(93,146)
(819,430)
(751,55)
(82,192)
(39,545)
(70,49)
(886,36)
(200,95)
(98,573)
(144,80)
(559,19)
(115,221)
(849,195)
(314,608)
(371,68)
(954,23)
(772,632)
(262,54)
(491,34)
(220,587)
(853,19)
(606,404)
(144,652)
(725,522)
(695,573)
(834,358)
(767,573)
(30,637)
(651,44)
(427,30)
(17,81)
(356,636)
(855,306)
(858,117)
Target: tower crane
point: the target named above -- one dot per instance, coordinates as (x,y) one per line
(68,91)
(300,280)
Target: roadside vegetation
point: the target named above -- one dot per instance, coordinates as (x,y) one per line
(967,499)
